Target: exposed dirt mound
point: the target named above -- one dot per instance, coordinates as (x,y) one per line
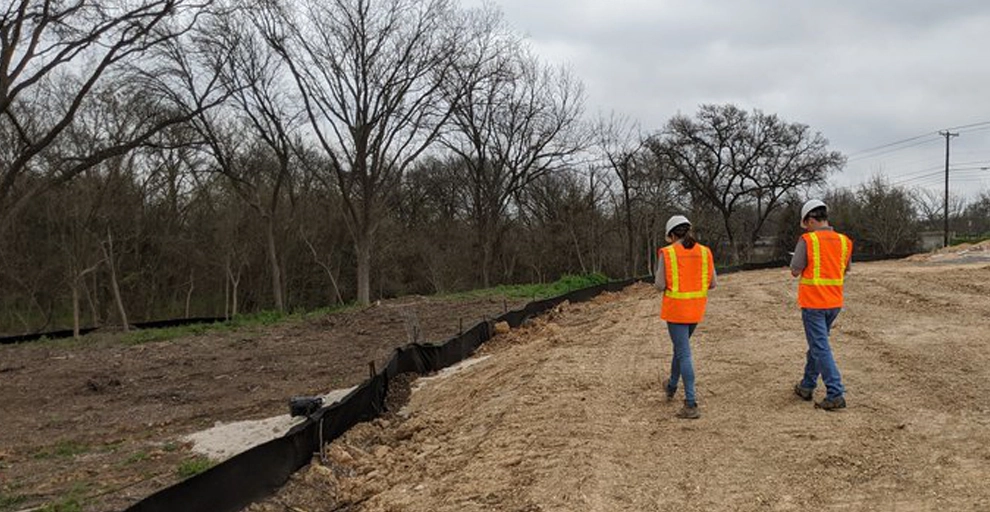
(102,423)
(956,253)
(567,414)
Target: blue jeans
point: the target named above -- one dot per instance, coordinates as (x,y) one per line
(817,325)
(681,365)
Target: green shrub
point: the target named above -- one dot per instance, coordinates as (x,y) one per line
(969,239)
(10,501)
(193,467)
(566,283)
(74,501)
(63,449)
(137,457)
(67,504)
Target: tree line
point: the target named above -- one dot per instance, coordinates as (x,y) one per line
(180,158)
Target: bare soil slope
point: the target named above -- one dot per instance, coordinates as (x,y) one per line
(568,413)
(98,424)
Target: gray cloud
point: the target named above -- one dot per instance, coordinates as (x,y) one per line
(863,73)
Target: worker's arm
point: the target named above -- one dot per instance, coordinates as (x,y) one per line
(799,260)
(660,276)
(711,266)
(849,261)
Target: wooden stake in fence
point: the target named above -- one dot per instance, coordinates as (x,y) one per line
(323,449)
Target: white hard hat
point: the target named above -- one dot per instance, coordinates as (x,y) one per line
(811,205)
(675,221)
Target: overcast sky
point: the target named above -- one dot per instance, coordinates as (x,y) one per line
(864,73)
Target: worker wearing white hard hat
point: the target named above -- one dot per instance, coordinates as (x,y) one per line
(685,273)
(675,221)
(821,259)
(810,205)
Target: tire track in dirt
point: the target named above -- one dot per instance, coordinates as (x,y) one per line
(931,347)
(568,414)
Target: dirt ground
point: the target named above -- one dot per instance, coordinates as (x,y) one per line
(568,414)
(98,424)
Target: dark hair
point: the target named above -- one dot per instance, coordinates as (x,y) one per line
(684,234)
(819,214)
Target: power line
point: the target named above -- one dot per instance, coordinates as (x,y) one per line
(961,166)
(918,178)
(896,145)
(965,126)
(891,144)
(928,178)
(920,171)
(975,130)
(975,162)
(891,150)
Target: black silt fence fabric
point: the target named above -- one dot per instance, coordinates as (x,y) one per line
(53,335)
(880,257)
(238,481)
(753,266)
(857,258)
(513,317)
(67,333)
(261,471)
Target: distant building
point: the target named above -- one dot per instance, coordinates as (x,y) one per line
(765,248)
(931,240)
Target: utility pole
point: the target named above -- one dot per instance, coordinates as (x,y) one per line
(948,135)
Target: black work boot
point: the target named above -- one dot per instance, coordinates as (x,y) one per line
(804,393)
(831,404)
(689,411)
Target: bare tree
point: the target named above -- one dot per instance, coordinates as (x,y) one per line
(976,218)
(731,159)
(706,153)
(517,121)
(656,188)
(53,57)
(370,74)
(885,216)
(556,208)
(71,226)
(255,78)
(930,205)
(431,211)
(793,158)
(620,143)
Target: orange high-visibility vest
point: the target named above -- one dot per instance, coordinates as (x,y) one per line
(688,274)
(822,280)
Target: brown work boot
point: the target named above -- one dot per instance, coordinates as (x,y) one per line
(831,404)
(689,412)
(666,390)
(804,393)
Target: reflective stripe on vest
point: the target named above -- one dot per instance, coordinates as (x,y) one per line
(675,286)
(816,255)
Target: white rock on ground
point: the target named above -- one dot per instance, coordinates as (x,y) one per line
(224,440)
(448,371)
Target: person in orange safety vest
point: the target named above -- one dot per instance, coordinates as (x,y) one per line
(821,259)
(685,273)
